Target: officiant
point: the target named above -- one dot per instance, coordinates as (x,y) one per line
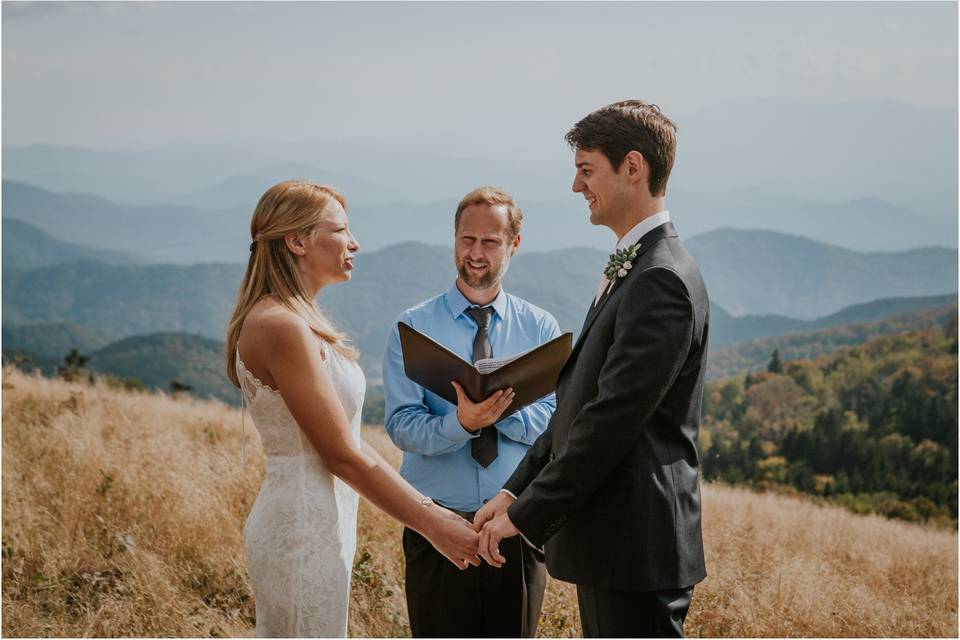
(460,455)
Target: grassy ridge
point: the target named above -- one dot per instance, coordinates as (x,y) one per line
(123,515)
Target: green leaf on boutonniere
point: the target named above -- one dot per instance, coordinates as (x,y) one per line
(621,262)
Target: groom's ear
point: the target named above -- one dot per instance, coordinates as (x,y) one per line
(514,245)
(635,166)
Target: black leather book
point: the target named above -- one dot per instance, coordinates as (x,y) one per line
(532,374)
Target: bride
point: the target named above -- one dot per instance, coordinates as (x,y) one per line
(304,389)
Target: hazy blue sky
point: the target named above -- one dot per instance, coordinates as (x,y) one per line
(121,75)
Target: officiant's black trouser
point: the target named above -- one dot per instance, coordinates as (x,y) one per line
(633,614)
(477,602)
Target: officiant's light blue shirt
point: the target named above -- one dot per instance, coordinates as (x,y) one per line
(436,448)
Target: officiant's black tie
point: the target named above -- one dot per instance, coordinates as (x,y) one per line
(483,448)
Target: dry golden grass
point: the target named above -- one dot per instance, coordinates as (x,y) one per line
(123,512)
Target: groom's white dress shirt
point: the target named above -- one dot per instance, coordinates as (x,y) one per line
(630,237)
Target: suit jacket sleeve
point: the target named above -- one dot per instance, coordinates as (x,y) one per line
(652,336)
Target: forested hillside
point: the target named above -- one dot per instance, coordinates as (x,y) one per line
(873,427)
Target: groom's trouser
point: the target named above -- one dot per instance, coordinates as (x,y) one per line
(633,614)
(477,602)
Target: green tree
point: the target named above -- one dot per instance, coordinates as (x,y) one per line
(74,367)
(179,387)
(775,365)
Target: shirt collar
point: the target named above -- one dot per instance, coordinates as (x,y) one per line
(457,303)
(642,228)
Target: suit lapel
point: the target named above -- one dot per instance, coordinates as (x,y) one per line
(596,308)
(648,240)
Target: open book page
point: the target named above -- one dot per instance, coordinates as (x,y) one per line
(488,365)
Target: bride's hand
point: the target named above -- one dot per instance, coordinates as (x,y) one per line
(454,537)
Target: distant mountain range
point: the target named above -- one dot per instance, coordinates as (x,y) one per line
(123,300)
(839,152)
(747,273)
(754,355)
(159,234)
(862,224)
(192,231)
(27,247)
(761,272)
(114,301)
(726,329)
(243,190)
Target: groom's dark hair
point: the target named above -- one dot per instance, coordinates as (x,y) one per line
(630,125)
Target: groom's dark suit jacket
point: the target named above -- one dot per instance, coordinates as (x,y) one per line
(611,487)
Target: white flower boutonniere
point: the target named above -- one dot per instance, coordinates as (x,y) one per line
(621,262)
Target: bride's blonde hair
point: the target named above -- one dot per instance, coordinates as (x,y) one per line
(295,206)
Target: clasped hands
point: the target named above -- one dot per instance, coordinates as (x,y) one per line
(458,539)
(493,524)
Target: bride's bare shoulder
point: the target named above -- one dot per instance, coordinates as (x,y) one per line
(273,330)
(270,319)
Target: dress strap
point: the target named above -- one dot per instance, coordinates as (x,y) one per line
(243,429)
(241,377)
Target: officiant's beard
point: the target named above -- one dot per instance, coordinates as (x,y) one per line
(487,281)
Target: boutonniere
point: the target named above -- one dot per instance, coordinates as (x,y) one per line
(621,262)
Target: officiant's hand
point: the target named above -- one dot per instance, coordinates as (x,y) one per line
(491,535)
(475,416)
(495,506)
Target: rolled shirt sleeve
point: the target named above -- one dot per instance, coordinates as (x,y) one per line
(409,422)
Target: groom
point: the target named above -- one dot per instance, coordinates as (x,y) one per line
(611,487)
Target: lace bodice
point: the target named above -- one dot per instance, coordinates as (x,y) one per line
(279,432)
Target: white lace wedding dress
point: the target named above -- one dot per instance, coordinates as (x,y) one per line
(301,533)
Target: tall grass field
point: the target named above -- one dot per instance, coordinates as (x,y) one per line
(123,516)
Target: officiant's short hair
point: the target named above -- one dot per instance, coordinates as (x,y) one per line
(491,196)
(630,125)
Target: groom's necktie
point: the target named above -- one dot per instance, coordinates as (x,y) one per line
(483,448)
